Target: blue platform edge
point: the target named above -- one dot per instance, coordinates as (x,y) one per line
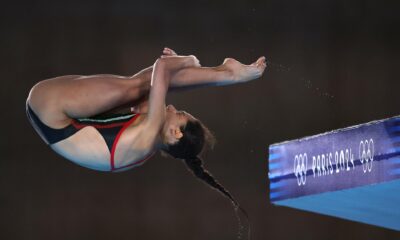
(353,189)
(376,204)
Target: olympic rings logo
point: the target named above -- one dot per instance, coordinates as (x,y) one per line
(300,168)
(366,154)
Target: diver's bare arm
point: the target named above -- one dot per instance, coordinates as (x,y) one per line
(159,87)
(160,81)
(151,125)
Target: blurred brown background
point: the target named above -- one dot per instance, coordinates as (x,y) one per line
(333,64)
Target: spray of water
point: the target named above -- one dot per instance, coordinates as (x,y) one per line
(307,82)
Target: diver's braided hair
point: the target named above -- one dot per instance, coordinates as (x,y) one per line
(196,166)
(188,148)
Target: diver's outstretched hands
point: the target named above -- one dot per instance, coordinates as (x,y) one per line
(244,73)
(169,53)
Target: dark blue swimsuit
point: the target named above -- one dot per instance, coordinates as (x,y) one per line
(110,128)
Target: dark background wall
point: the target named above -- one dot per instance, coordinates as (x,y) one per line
(333,64)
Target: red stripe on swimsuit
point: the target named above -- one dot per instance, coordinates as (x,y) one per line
(112,161)
(110,129)
(112,133)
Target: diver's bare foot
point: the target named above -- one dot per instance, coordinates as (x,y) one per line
(175,63)
(167,52)
(192,60)
(243,73)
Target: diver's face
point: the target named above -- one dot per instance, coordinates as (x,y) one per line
(173,122)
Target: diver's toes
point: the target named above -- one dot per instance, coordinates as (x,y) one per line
(260,63)
(169,51)
(261,60)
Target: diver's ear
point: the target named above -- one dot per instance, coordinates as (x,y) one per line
(173,135)
(177,133)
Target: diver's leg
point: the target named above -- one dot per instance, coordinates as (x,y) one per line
(59,99)
(229,72)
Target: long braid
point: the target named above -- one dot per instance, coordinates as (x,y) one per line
(196,166)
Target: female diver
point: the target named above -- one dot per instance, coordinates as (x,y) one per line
(114,123)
